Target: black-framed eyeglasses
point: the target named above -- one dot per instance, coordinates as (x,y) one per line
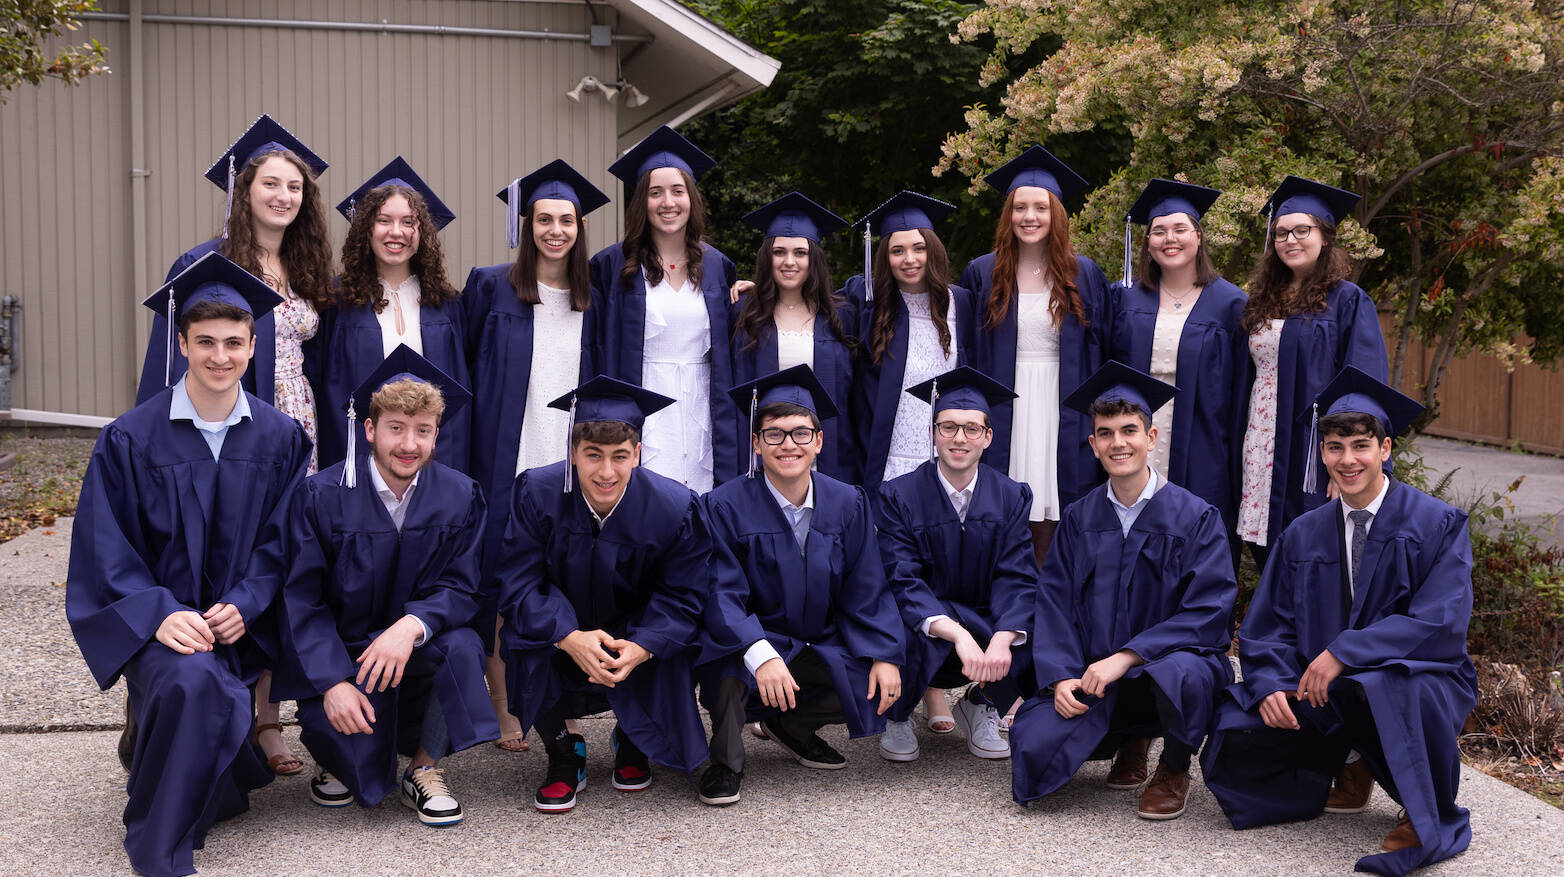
(948,428)
(1298,232)
(801,435)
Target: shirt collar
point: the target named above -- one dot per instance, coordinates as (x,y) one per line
(809,498)
(1373,507)
(181,408)
(949,488)
(384,489)
(1145,492)
(412,279)
(603,519)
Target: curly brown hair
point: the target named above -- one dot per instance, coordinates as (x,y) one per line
(638,245)
(1062,267)
(306,245)
(360,282)
(756,309)
(936,277)
(1272,294)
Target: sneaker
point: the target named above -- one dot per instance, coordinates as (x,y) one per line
(567,775)
(813,752)
(980,723)
(328,791)
(632,769)
(899,742)
(720,785)
(425,791)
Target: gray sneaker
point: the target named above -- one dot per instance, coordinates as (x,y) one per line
(899,742)
(980,723)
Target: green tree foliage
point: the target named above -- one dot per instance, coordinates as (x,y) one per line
(1447,115)
(26,26)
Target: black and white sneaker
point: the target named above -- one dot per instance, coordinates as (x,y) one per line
(567,775)
(812,752)
(425,791)
(632,769)
(328,791)
(720,785)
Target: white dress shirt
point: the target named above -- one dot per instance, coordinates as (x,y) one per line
(215,432)
(798,518)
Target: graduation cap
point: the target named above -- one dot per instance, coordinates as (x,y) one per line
(604,398)
(262,137)
(1116,381)
(1163,198)
(796,385)
(1037,167)
(1355,391)
(661,148)
(209,278)
(795,216)
(904,211)
(962,389)
(399,173)
(1298,195)
(556,180)
(404,364)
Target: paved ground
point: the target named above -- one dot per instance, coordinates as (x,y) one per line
(1479,471)
(947,812)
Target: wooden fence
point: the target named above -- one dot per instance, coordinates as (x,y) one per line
(1479,401)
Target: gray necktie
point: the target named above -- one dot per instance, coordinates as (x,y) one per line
(958,500)
(1360,521)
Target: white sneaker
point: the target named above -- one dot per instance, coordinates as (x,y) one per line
(899,742)
(328,791)
(425,791)
(980,722)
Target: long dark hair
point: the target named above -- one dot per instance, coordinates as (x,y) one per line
(756,309)
(524,274)
(360,283)
(640,251)
(305,252)
(1269,298)
(1062,267)
(1151,273)
(936,277)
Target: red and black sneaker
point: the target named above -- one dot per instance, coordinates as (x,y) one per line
(632,769)
(567,761)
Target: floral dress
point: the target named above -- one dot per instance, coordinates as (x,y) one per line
(1254,508)
(911,439)
(296,323)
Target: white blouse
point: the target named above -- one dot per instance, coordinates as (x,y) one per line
(1164,367)
(676,362)
(911,439)
(556,367)
(399,318)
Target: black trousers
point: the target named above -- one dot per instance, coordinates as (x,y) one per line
(816,699)
(1143,711)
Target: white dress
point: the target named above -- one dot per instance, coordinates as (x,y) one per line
(911,441)
(676,362)
(556,368)
(796,347)
(1254,507)
(1034,432)
(399,319)
(1164,367)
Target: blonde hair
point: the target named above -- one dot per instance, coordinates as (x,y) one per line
(407,396)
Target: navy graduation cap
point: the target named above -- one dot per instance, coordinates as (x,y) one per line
(604,398)
(795,216)
(403,364)
(399,173)
(797,385)
(904,211)
(1298,195)
(661,148)
(209,278)
(1163,198)
(1354,391)
(1116,381)
(262,137)
(556,180)
(1037,167)
(965,389)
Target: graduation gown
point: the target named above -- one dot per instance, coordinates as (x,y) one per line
(643,578)
(1165,592)
(832,597)
(981,573)
(877,389)
(352,348)
(1081,352)
(352,575)
(161,527)
(499,329)
(1314,349)
(833,366)
(621,332)
(1212,407)
(1402,635)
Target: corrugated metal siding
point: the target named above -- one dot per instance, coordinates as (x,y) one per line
(468,112)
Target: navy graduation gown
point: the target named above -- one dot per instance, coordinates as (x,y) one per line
(981,573)
(877,389)
(352,575)
(1314,349)
(831,597)
(1212,407)
(352,348)
(1081,352)
(621,332)
(162,527)
(1165,592)
(643,578)
(833,366)
(1402,635)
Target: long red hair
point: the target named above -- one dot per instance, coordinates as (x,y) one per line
(1062,267)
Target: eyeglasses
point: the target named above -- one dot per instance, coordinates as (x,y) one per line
(1297,232)
(801,435)
(948,429)
(1177,231)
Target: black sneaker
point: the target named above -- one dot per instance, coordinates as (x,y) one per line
(632,769)
(127,737)
(812,752)
(425,791)
(720,785)
(567,775)
(328,791)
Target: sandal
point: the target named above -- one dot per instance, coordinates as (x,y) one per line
(942,724)
(274,763)
(513,741)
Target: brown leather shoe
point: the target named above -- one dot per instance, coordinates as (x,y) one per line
(1165,796)
(1353,787)
(1129,764)
(1403,836)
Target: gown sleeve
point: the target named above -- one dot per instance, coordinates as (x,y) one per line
(729,624)
(1056,642)
(536,612)
(452,599)
(1203,621)
(1267,639)
(866,611)
(667,624)
(1013,590)
(314,653)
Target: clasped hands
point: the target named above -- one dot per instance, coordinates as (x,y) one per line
(188,631)
(603,658)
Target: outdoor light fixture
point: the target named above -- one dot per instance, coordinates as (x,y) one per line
(634,97)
